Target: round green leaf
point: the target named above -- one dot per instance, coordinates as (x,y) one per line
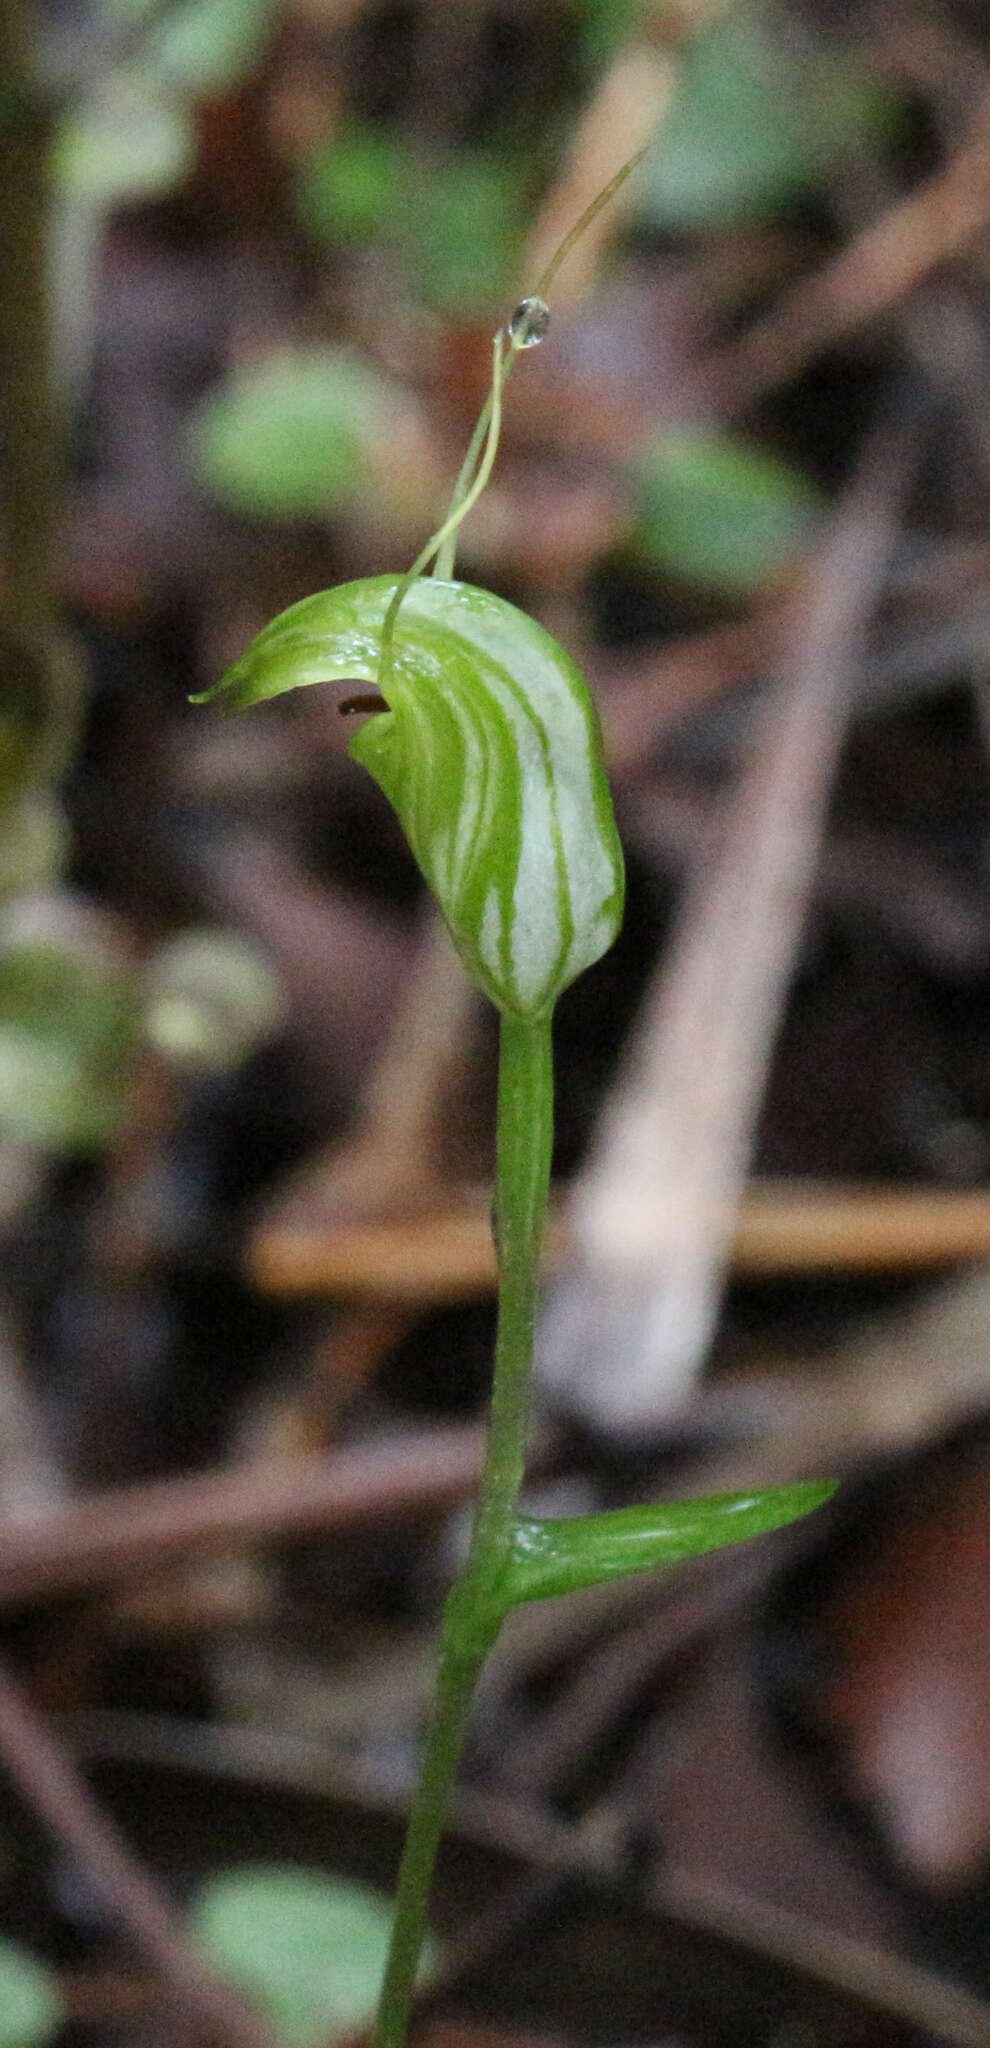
(754,122)
(718,512)
(67,1029)
(30,2008)
(125,142)
(287,438)
(198,45)
(309,1950)
(347,191)
(461,226)
(210,998)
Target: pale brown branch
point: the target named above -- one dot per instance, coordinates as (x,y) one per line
(653,1211)
(783,1227)
(874,273)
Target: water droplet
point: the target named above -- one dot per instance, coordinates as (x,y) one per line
(529,323)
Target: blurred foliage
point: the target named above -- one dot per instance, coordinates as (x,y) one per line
(603,25)
(132,136)
(68,1029)
(125,142)
(30,2009)
(210,998)
(198,46)
(346,189)
(34,842)
(457,223)
(716,512)
(463,223)
(289,437)
(308,1949)
(756,121)
(23,712)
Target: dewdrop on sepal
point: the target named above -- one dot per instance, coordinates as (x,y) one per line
(529,323)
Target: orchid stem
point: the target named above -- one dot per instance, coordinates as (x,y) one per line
(476,1606)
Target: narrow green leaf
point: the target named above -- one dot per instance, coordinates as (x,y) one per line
(490,753)
(549,1558)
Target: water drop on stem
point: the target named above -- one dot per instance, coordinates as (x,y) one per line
(529,323)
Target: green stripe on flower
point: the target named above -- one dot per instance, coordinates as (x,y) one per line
(490,752)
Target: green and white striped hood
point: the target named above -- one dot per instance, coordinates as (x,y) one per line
(490,753)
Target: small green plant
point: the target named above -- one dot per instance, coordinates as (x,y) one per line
(484,737)
(307,1948)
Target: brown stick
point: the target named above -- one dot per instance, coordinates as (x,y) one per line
(128,1528)
(885,1983)
(783,1227)
(48,1780)
(653,1211)
(870,275)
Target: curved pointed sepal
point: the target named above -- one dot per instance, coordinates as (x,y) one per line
(554,1557)
(490,752)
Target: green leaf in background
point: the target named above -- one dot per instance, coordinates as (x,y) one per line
(197,46)
(717,512)
(30,2008)
(461,225)
(124,142)
(550,1558)
(68,1025)
(34,842)
(25,711)
(209,999)
(755,121)
(603,26)
(490,752)
(309,1950)
(347,190)
(288,437)
(458,224)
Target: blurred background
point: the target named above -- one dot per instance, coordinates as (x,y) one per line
(254,253)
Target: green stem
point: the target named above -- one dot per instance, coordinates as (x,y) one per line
(476,1607)
(467,491)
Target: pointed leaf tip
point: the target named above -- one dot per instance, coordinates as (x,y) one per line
(553,1557)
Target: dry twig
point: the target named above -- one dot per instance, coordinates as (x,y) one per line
(653,1212)
(875,272)
(127,1529)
